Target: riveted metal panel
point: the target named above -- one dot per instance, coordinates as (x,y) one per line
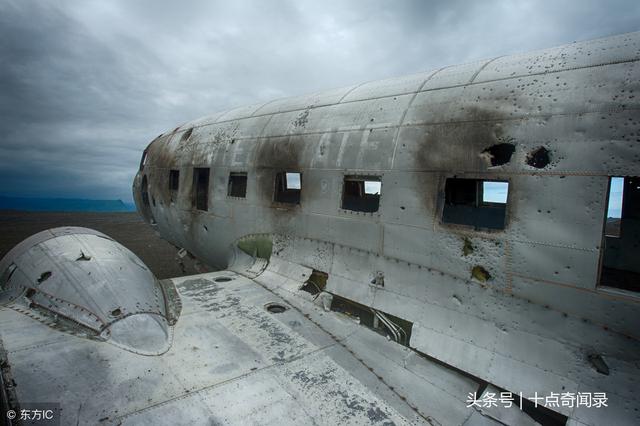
(388,87)
(624,47)
(455,75)
(575,267)
(410,244)
(444,251)
(202,121)
(368,114)
(410,199)
(530,380)
(362,235)
(314,100)
(603,89)
(320,189)
(239,112)
(558,211)
(450,350)
(436,106)
(617,312)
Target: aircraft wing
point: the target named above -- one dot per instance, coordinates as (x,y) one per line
(246,346)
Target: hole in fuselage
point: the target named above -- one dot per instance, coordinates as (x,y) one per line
(44,276)
(499,154)
(538,158)
(381,322)
(316,282)
(275,308)
(222,279)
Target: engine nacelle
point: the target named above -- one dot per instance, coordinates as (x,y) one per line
(81,281)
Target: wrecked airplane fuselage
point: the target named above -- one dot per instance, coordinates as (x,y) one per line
(419,250)
(528,305)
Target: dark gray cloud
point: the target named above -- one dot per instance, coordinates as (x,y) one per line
(85,85)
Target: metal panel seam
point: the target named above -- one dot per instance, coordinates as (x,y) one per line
(404,114)
(357,86)
(622,61)
(473,77)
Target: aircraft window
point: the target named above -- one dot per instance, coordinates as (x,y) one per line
(143,160)
(475,202)
(288,187)
(293,180)
(237,185)
(145,190)
(186,135)
(494,192)
(6,275)
(174,183)
(201,188)
(361,193)
(620,261)
(614,207)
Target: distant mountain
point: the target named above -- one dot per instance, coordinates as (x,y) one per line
(64,205)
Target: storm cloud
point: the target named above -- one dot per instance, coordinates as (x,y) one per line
(85,85)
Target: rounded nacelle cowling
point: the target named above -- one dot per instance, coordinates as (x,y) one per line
(81,281)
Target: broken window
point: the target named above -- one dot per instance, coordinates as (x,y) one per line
(288,187)
(494,192)
(621,240)
(201,188)
(143,160)
(361,193)
(475,202)
(614,207)
(6,275)
(174,183)
(237,185)
(186,135)
(145,190)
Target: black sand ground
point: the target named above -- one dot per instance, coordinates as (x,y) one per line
(126,228)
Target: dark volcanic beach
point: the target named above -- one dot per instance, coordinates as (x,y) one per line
(126,228)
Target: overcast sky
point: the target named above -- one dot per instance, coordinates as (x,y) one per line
(85,85)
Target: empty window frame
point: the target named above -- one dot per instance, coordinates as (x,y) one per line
(237,185)
(621,257)
(174,184)
(201,188)
(288,187)
(614,207)
(475,202)
(143,160)
(361,193)
(144,189)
